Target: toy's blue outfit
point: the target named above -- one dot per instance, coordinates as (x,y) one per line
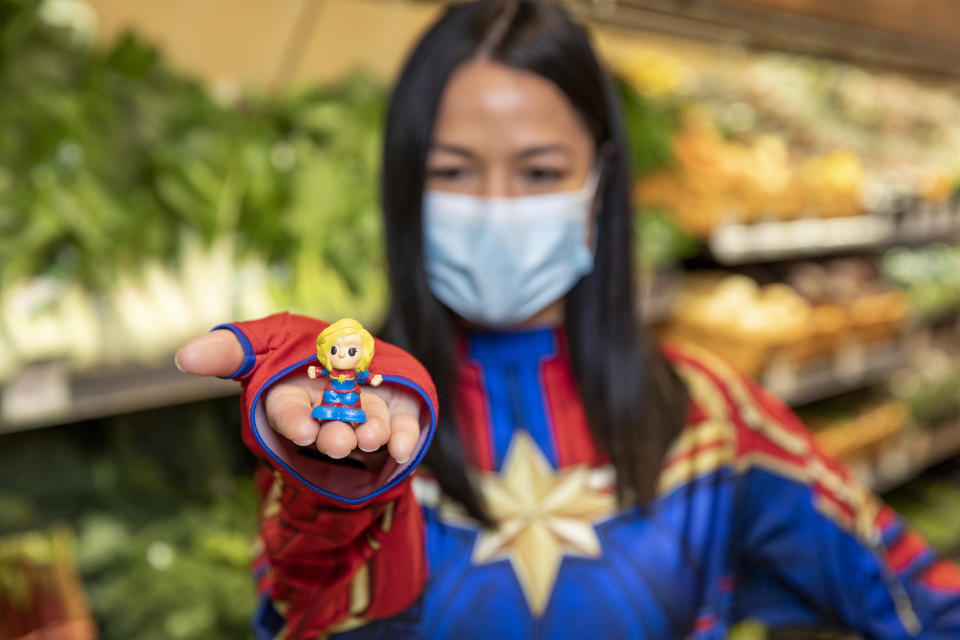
(751,520)
(341,398)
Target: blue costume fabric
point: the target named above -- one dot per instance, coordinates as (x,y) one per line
(341,398)
(751,519)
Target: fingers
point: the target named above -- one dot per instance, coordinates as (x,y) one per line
(215,354)
(404,427)
(288,412)
(374,433)
(336,439)
(392,420)
(405,430)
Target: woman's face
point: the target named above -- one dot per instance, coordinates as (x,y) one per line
(503,132)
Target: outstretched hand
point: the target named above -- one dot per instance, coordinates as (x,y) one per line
(392,411)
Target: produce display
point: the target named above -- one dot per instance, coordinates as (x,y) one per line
(650,116)
(737,319)
(805,311)
(162,509)
(136,209)
(151,210)
(781,137)
(930,275)
(931,504)
(40,589)
(856,425)
(896,121)
(716,180)
(868,431)
(850,304)
(930,388)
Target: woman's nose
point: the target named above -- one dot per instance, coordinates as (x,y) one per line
(496,183)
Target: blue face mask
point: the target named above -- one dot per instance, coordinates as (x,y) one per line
(498,261)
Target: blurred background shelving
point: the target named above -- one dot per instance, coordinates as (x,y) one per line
(164,169)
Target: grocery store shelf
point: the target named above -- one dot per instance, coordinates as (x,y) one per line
(853,367)
(879,32)
(928,224)
(734,244)
(912,39)
(738,244)
(43,394)
(47,394)
(908,455)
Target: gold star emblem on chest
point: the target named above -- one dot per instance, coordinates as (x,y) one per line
(541,515)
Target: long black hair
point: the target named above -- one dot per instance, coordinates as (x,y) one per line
(637,405)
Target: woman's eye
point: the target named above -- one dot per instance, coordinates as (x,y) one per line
(333,351)
(352,351)
(447,173)
(543,174)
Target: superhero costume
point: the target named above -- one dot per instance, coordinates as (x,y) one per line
(341,397)
(750,520)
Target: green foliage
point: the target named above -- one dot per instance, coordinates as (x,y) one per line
(932,400)
(931,505)
(748,630)
(164,512)
(650,125)
(76,152)
(660,241)
(190,573)
(930,275)
(108,159)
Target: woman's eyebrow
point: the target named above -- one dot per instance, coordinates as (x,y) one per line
(520,155)
(451,148)
(546,148)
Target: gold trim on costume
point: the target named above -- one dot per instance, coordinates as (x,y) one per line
(386,520)
(360,590)
(271,501)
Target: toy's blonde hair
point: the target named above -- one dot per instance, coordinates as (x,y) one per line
(340,329)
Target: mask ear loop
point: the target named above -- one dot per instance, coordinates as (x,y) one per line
(600,177)
(604,154)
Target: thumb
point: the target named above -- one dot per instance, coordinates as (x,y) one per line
(217,353)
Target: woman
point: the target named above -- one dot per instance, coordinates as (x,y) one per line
(576,484)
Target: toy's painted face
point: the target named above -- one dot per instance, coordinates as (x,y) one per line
(346,352)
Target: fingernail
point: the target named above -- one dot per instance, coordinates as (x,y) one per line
(304,442)
(404,460)
(176,362)
(367,450)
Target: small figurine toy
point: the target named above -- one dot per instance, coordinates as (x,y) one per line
(345,350)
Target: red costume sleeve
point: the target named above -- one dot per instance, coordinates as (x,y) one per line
(340,544)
